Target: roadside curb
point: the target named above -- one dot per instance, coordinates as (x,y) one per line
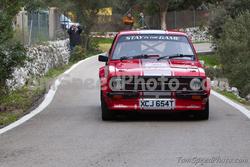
(237,106)
(47,99)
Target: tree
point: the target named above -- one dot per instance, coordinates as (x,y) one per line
(167,5)
(121,6)
(220,13)
(8,11)
(234,51)
(163,7)
(12,53)
(86,12)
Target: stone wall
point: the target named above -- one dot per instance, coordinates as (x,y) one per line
(223,85)
(196,34)
(42,59)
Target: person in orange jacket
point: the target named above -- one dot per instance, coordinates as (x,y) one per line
(128,21)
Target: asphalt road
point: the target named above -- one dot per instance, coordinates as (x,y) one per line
(203,47)
(70,133)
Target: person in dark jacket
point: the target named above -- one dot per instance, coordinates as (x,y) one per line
(74,36)
(142,22)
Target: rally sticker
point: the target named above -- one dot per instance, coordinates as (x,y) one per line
(154,68)
(151,37)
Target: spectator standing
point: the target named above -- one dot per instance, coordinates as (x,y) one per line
(74,36)
(142,22)
(128,21)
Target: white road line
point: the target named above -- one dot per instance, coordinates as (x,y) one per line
(47,100)
(233,104)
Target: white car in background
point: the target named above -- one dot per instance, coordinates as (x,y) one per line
(66,22)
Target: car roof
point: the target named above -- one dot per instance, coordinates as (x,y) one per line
(133,32)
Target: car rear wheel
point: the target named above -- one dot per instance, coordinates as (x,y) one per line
(107,115)
(204,115)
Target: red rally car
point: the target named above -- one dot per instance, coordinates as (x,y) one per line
(153,70)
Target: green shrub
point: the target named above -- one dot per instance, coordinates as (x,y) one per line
(214,72)
(77,54)
(217,20)
(234,52)
(12,55)
(93,46)
(210,60)
(220,13)
(103,40)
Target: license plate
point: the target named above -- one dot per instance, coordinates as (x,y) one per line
(157,104)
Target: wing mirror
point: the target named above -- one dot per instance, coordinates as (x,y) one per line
(103,58)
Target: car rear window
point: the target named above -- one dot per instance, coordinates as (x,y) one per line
(161,45)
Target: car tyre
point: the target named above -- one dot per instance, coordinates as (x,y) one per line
(204,115)
(107,115)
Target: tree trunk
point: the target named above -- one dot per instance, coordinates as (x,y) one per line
(163,6)
(163,19)
(88,19)
(86,41)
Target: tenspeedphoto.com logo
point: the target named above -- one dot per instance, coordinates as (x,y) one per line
(213,161)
